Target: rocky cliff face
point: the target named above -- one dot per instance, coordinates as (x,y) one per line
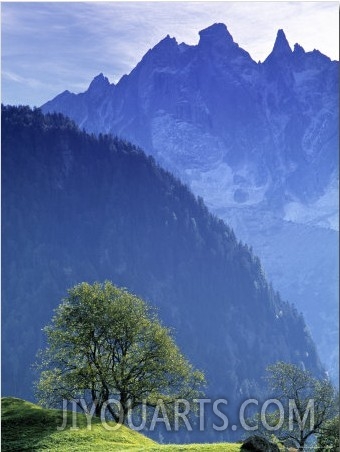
(259,142)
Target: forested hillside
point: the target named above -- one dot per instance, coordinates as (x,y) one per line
(79,208)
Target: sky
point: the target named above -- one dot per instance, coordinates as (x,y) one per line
(48,47)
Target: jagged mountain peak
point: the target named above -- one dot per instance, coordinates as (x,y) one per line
(166,44)
(217,43)
(281,43)
(281,48)
(169,40)
(215,34)
(99,82)
(299,49)
(162,53)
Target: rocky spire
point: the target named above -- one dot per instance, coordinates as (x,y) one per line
(281,47)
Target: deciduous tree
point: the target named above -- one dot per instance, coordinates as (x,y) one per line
(105,343)
(308,403)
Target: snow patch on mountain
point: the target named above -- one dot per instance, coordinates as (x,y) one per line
(221,187)
(324,212)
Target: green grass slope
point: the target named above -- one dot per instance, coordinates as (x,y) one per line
(28,427)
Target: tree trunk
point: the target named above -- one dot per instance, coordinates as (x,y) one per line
(124,407)
(113,414)
(301,445)
(98,409)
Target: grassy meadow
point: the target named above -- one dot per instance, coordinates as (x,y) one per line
(28,427)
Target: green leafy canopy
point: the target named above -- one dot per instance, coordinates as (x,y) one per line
(103,343)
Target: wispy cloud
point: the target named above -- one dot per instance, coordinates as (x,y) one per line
(64,45)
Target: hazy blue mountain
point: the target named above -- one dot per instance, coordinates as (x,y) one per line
(78,208)
(258,141)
